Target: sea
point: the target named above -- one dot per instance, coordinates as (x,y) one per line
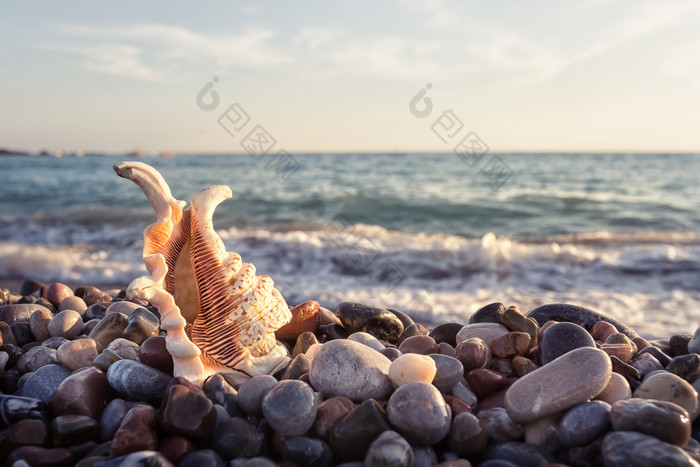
(434,235)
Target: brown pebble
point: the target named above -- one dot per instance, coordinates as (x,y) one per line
(174,448)
(38,456)
(510,345)
(423,345)
(29,432)
(624,352)
(523,366)
(154,354)
(446,349)
(57,292)
(305,318)
(484,381)
(330,412)
(473,353)
(137,431)
(73,303)
(602,330)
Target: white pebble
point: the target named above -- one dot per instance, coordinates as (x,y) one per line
(412,367)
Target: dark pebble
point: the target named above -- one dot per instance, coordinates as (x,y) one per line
(96,311)
(308,452)
(136,380)
(350,438)
(584,423)
(418,411)
(468,435)
(484,381)
(29,432)
(16,408)
(290,407)
(67,430)
(175,448)
(221,392)
(186,411)
(520,454)
(685,366)
(202,458)
(251,393)
(389,450)
(449,372)
(561,338)
(664,420)
(473,353)
(655,352)
(391,353)
(111,418)
(141,325)
(37,456)
(237,437)
(380,323)
(423,345)
(584,317)
(490,313)
(330,412)
(626,448)
(154,354)
(44,381)
(678,344)
(446,332)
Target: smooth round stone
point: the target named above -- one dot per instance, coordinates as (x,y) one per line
(645,364)
(449,372)
(561,338)
(411,367)
(305,317)
(202,458)
(43,382)
(389,449)
(290,407)
(523,366)
(424,457)
(346,368)
(419,413)
(330,412)
(381,323)
(304,341)
(298,367)
(414,329)
(124,348)
(350,437)
(685,366)
(36,358)
(446,349)
(84,392)
(39,324)
(473,353)
(251,393)
(186,411)
(487,332)
(671,388)
(154,354)
(137,431)
(366,339)
(109,328)
(73,303)
(40,456)
(468,435)
(661,419)
(584,423)
(584,317)
(66,324)
(16,408)
(499,425)
(446,332)
(423,345)
(93,295)
(237,437)
(142,324)
(575,377)
(19,312)
(484,381)
(490,313)
(391,353)
(111,418)
(67,430)
(617,389)
(307,451)
(517,453)
(602,330)
(626,448)
(77,354)
(138,381)
(57,292)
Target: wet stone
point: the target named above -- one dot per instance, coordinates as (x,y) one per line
(303,342)
(251,393)
(39,324)
(562,338)
(330,412)
(468,435)
(484,381)
(446,332)
(661,419)
(307,451)
(449,372)
(188,412)
(305,318)
(366,339)
(487,332)
(669,387)
(563,383)
(16,408)
(381,323)
(389,449)
(77,354)
(490,313)
(350,437)
(137,431)
(237,437)
(19,312)
(584,423)
(290,407)
(625,448)
(109,328)
(111,418)
(67,430)
(84,392)
(685,366)
(57,292)
(142,324)
(584,317)
(136,380)
(419,413)
(29,432)
(40,456)
(473,353)
(154,354)
(411,367)
(423,345)
(44,381)
(73,303)
(36,358)
(337,359)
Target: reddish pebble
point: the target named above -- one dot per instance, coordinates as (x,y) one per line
(473,353)
(523,366)
(641,342)
(497,399)
(154,354)
(602,330)
(484,382)
(424,345)
(457,406)
(305,317)
(137,431)
(37,456)
(56,292)
(84,392)
(30,432)
(174,448)
(330,412)
(624,352)
(510,345)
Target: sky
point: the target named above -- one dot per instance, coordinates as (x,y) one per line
(350,76)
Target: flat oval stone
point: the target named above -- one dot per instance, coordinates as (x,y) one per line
(237,437)
(186,411)
(584,423)
(389,449)
(561,338)
(251,393)
(84,392)
(290,407)
(669,387)
(44,381)
(490,313)
(16,408)
(626,448)
(350,437)
(109,328)
(73,303)
(468,435)
(57,292)
(111,418)
(19,312)
(412,367)
(66,324)
(346,368)
(307,451)
(575,377)
(487,332)
(67,430)
(661,419)
(419,413)
(423,345)
(138,381)
(584,317)
(77,354)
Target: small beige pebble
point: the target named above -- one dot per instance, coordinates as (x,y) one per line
(39,324)
(73,303)
(77,354)
(125,348)
(484,331)
(617,389)
(412,367)
(672,388)
(66,324)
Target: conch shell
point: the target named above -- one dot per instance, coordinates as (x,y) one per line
(219,316)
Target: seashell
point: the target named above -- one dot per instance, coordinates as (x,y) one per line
(219,316)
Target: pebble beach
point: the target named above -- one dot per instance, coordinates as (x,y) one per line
(86,380)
